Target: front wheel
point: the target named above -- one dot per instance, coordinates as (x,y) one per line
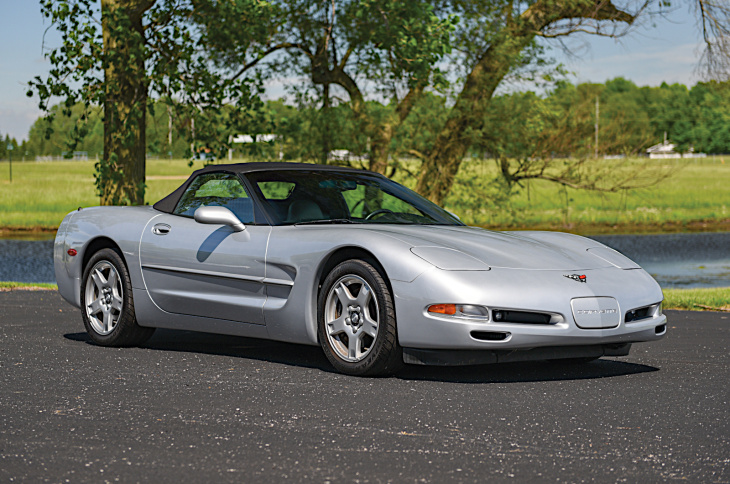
(356,321)
(107,306)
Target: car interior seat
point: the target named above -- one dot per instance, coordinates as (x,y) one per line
(302,210)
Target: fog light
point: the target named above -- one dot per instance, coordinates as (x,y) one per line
(472,311)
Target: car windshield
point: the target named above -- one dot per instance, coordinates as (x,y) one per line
(329,197)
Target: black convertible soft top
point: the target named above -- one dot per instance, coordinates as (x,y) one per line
(169,203)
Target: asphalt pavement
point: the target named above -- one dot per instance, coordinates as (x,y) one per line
(191,407)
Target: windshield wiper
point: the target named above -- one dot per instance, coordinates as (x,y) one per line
(328,221)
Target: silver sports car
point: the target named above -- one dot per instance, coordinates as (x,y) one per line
(351,261)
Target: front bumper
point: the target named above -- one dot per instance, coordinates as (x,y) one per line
(523,290)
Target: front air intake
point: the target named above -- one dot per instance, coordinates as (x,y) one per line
(638,314)
(502,316)
(490,335)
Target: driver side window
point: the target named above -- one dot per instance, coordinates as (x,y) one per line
(216,189)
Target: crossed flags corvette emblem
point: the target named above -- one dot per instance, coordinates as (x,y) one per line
(576,277)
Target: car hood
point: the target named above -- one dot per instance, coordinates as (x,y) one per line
(514,250)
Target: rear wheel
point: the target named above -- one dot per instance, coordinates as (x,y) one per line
(107,304)
(356,321)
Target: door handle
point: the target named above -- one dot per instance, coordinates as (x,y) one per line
(161,229)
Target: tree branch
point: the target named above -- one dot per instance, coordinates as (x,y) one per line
(285,45)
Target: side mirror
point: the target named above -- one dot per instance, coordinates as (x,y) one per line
(218,215)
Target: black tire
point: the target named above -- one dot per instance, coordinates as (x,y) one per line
(381,355)
(107,304)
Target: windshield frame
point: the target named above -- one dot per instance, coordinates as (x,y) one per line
(439,215)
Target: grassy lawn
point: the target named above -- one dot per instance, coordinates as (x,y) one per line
(696,196)
(696,191)
(12,286)
(697,299)
(43,192)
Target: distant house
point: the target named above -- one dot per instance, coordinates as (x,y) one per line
(665,149)
(344,155)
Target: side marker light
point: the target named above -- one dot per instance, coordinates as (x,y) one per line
(71,252)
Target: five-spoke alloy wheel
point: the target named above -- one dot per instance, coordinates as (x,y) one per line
(107,303)
(357,327)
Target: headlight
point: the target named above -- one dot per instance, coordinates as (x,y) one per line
(613,257)
(469,311)
(449,259)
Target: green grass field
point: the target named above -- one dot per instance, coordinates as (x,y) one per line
(717,298)
(694,192)
(695,196)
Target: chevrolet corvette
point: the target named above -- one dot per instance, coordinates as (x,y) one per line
(349,260)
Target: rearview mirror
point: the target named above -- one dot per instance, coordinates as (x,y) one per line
(218,215)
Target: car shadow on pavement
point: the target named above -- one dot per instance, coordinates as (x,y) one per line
(312,357)
(233,346)
(527,371)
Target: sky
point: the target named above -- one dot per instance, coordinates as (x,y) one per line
(663,50)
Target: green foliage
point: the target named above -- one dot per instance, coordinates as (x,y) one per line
(398,40)
(17,151)
(118,55)
(562,123)
(418,131)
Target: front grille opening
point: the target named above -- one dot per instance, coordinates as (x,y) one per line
(639,314)
(502,316)
(490,335)
(660,329)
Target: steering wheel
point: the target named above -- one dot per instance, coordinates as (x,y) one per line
(377,212)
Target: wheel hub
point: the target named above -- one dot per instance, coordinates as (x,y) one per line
(107,295)
(354,319)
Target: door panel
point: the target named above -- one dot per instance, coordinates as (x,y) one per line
(205,270)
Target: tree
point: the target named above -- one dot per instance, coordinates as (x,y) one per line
(392,45)
(714,18)
(493,58)
(117,55)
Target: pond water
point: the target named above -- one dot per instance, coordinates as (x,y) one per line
(678,260)
(675,260)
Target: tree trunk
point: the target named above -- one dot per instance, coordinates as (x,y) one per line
(380,148)
(121,172)
(325,113)
(380,134)
(383,134)
(440,167)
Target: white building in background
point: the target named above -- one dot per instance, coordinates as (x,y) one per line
(344,155)
(665,149)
